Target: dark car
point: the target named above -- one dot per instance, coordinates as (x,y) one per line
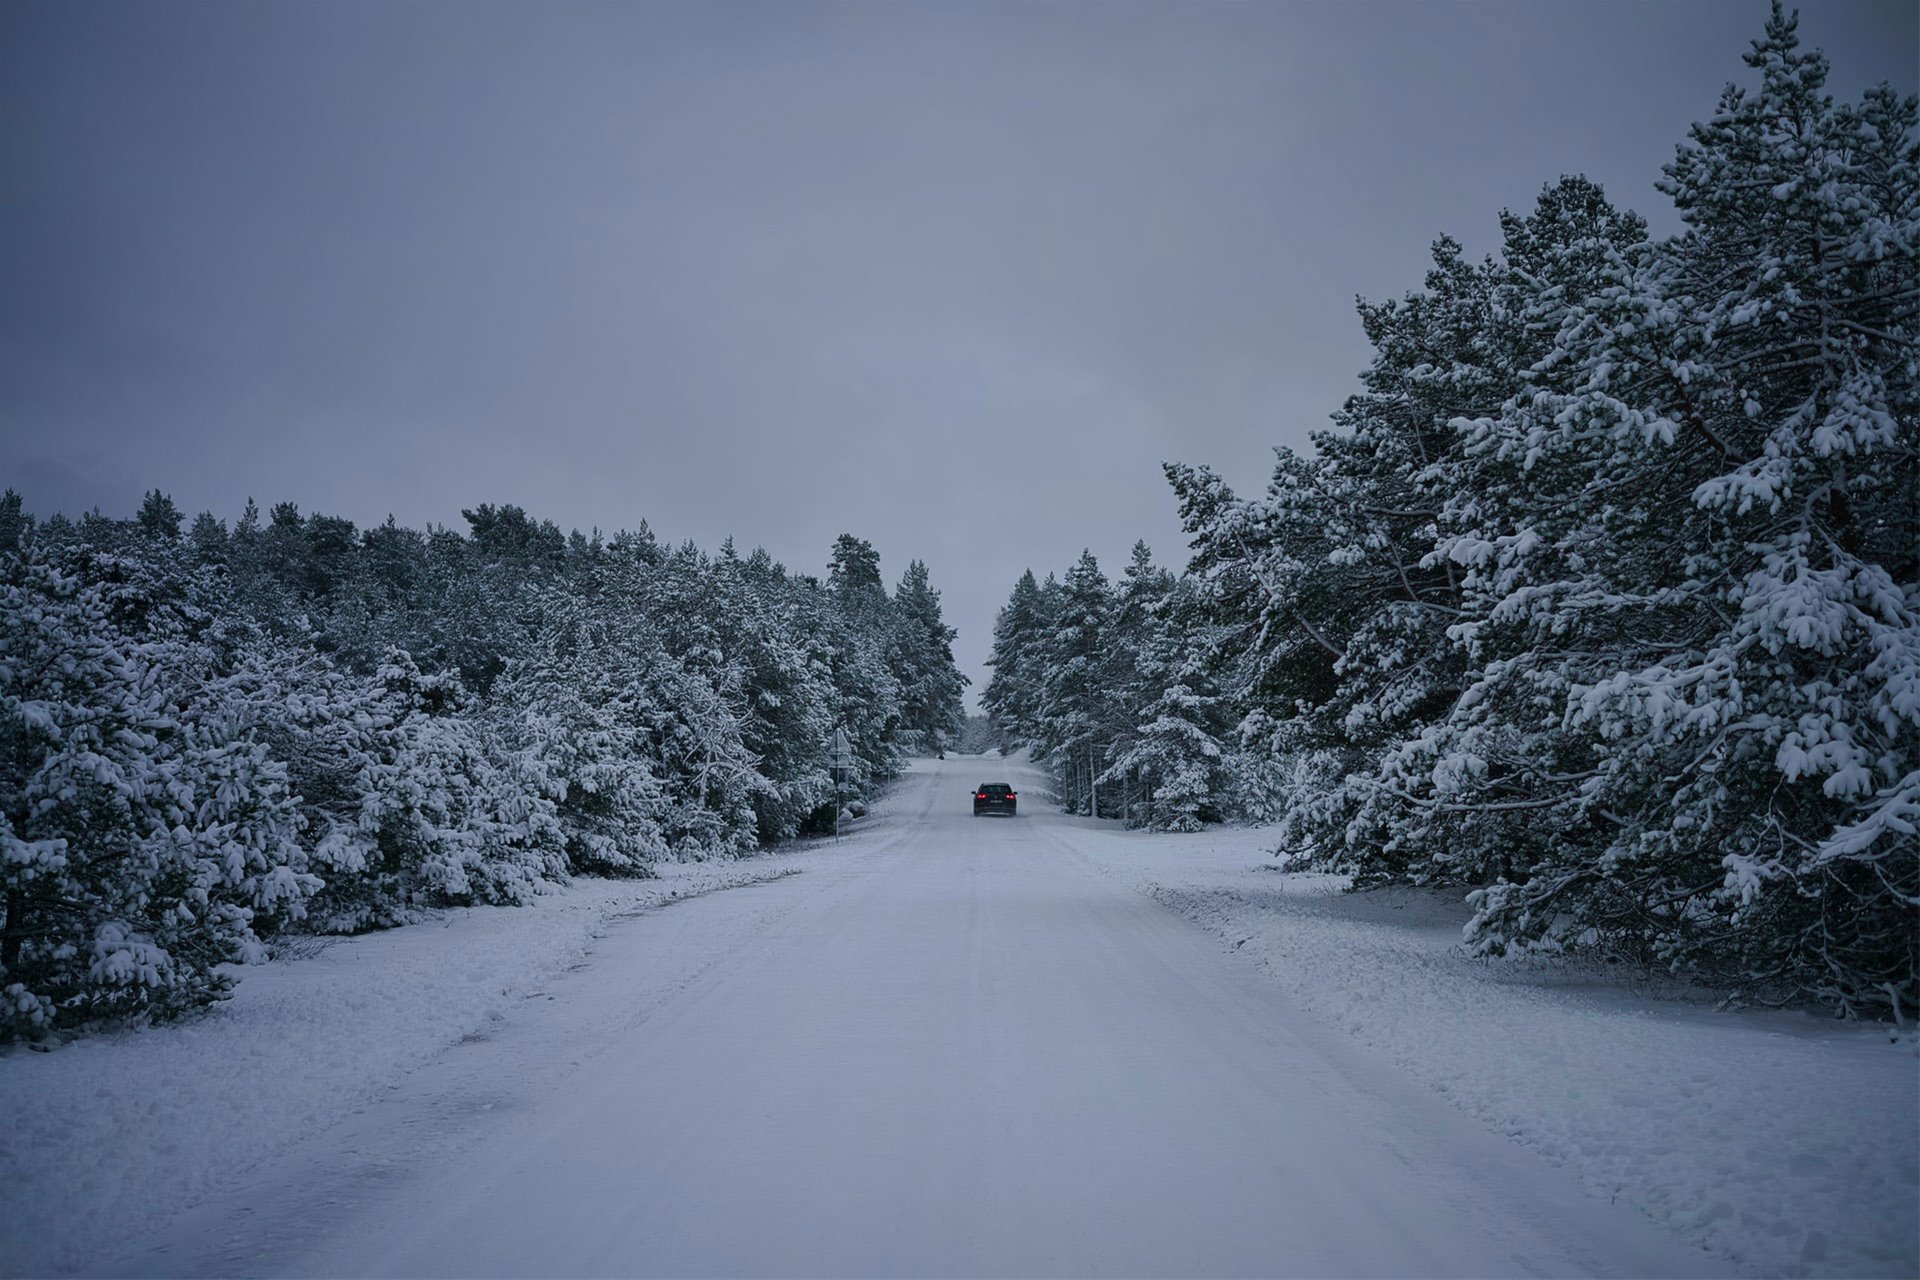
(994,797)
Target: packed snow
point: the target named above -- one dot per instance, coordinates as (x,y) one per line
(113,1135)
(960,1045)
(1786,1143)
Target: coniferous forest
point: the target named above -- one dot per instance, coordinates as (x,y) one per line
(212,734)
(1478,835)
(1599,602)
(1601,597)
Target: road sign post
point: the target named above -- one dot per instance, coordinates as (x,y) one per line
(842,763)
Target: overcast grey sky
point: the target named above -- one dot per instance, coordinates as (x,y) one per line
(955,278)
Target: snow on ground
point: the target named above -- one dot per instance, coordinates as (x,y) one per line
(965,1054)
(1784,1142)
(109,1136)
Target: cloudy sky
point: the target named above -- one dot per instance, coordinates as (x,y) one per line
(955,278)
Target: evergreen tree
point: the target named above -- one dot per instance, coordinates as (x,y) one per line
(1740,451)
(930,684)
(295,719)
(1075,724)
(1601,595)
(158,517)
(1166,744)
(1012,696)
(15,523)
(146,831)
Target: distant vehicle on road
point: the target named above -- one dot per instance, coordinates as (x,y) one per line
(995,797)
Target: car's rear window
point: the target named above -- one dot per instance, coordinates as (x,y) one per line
(995,788)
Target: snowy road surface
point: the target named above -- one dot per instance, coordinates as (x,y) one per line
(957,1051)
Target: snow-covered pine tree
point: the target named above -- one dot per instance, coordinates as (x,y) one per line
(1075,719)
(1012,696)
(15,523)
(575,715)
(789,690)
(696,686)
(146,831)
(1444,796)
(158,518)
(1131,631)
(1169,760)
(860,621)
(1735,615)
(922,659)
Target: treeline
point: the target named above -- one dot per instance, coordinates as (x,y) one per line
(1603,596)
(1115,689)
(210,735)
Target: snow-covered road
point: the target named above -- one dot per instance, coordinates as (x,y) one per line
(957,1050)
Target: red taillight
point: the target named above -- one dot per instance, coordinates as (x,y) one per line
(1009,795)
(981,796)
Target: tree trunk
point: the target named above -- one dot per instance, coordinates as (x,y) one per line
(15,932)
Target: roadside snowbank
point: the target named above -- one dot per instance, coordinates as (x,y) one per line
(111,1136)
(1787,1143)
